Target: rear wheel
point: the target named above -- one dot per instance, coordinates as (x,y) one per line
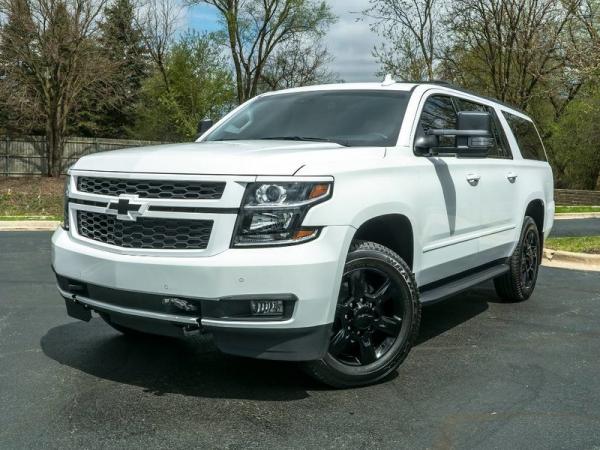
(376,321)
(519,282)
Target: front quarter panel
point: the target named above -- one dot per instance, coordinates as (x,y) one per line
(364,191)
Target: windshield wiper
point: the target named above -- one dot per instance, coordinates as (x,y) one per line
(303,138)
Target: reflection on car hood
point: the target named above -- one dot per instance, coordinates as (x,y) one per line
(256,157)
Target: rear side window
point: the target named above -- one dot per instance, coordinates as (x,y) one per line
(527,137)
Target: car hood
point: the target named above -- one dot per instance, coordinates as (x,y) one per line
(224,158)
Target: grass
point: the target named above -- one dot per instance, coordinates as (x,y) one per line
(586,244)
(16,218)
(577,209)
(31,198)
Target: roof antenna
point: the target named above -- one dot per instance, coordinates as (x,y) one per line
(388,80)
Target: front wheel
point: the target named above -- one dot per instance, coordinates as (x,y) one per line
(376,321)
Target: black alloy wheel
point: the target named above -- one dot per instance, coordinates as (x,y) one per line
(368,318)
(376,319)
(529,258)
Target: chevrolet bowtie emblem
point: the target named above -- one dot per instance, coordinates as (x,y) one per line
(127,207)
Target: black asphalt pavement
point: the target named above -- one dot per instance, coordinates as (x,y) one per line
(483,375)
(576,227)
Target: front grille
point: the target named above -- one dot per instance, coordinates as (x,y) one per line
(190,190)
(146,232)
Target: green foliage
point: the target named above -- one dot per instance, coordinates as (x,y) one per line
(573,145)
(50,59)
(121,41)
(577,209)
(585,244)
(200,85)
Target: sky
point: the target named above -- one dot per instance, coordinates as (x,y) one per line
(350,41)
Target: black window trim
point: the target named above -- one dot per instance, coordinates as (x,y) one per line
(433,92)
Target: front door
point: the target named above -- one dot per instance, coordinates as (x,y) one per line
(450,200)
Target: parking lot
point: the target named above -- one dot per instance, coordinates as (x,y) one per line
(483,375)
(576,227)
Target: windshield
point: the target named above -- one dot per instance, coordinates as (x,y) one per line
(349,118)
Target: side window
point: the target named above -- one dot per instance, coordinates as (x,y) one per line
(438,112)
(527,137)
(465,105)
(501,149)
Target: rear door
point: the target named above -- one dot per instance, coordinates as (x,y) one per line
(534,172)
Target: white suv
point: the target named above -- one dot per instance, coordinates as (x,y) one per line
(311,224)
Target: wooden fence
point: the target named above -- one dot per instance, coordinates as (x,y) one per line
(576,197)
(27,155)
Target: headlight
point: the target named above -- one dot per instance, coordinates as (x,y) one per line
(272,213)
(65,223)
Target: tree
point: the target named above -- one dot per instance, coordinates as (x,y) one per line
(200,86)
(573,147)
(158,20)
(121,41)
(297,63)
(515,50)
(50,59)
(411,29)
(255,29)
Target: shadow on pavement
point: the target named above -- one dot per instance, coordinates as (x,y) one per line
(448,314)
(194,367)
(188,366)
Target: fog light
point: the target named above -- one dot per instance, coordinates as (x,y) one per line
(266,307)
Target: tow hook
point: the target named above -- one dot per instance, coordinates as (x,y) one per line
(192,330)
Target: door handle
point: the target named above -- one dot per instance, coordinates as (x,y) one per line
(473,178)
(511,176)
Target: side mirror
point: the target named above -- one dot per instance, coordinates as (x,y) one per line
(425,142)
(204,125)
(480,139)
(473,133)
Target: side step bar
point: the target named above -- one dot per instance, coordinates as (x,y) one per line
(433,295)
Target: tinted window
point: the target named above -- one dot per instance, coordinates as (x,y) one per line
(527,137)
(438,112)
(353,118)
(465,105)
(501,149)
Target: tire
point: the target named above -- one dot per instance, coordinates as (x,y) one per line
(377,319)
(517,285)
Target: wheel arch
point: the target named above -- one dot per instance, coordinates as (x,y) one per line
(394,231)
(536,210)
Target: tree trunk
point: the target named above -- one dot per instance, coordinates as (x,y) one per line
(232,31)
(54,145)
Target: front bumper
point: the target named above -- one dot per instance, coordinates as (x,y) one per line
(309,272)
